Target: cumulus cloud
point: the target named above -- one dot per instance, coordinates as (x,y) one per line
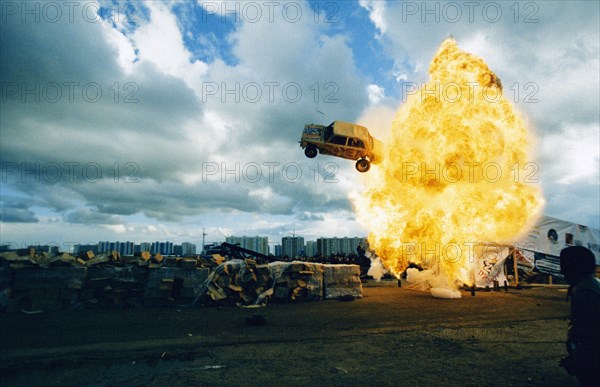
(376,93)
(117,228)
(185,120)
(14,211)
(146,145)
(91,216)
(376,10)
(160,42)
(576,146)
(309,216)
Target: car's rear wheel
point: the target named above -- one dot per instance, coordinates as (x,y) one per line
(363,165)
(310,152)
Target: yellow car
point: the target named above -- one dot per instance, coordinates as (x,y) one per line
(342,139)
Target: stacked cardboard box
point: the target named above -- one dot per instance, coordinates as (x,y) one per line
(341,281)
(46,288)
(297,281)
(240,282)
(113,286)
(34,282)
(167,285)
(245,283)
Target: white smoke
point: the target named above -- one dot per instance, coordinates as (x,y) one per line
(431,280)
(424,280)
(376,270)
(445,293)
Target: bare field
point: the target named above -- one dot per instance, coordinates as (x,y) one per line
(392,336)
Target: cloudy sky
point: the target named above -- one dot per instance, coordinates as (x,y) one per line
(154,120)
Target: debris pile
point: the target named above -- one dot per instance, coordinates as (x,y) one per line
(239,282)
(37,282)
(244,283)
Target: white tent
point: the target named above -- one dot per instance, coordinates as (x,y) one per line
(550,235)
(540,249)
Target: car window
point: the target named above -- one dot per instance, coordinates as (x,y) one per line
(338,140)
(311,131)
(328,132)
(355,142)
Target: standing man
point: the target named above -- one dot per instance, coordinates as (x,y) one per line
(578,265)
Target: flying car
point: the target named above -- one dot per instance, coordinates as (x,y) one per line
(342,139)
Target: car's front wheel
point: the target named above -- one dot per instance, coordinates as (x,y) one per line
(310,152)
(363,165)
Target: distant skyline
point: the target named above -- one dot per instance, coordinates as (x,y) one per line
(286,247)
(69,245)
(158,120)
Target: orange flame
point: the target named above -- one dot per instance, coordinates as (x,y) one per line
(453,175)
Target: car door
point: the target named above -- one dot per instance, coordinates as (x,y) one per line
(336,145)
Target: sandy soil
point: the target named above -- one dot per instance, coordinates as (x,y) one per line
(393,336)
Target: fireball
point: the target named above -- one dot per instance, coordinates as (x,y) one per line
(454,173)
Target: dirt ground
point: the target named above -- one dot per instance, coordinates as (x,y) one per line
(392,336)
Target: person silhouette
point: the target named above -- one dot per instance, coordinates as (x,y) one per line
(578,264)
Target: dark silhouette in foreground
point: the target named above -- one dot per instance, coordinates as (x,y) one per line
(577,263)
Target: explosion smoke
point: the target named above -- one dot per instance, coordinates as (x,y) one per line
(450,178)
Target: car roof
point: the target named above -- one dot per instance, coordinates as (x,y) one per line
(351,130)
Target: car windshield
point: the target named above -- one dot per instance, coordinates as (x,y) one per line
(311,130)
(329,132)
